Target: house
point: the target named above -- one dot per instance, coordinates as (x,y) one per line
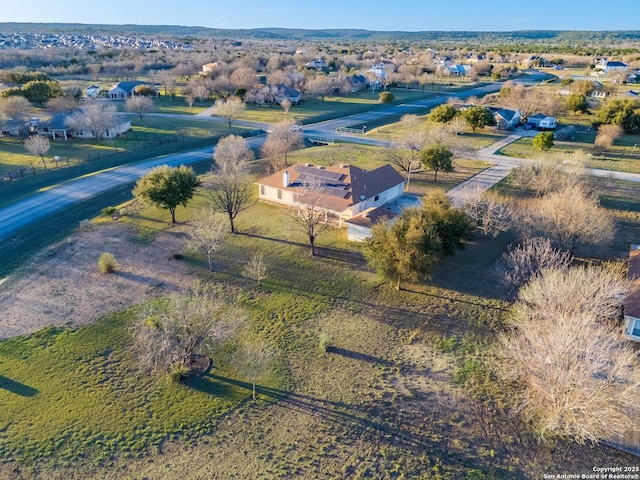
(58,126)
(356,83)
(348,192)
(607,66)
(632,302)
(124,90)
(279,92)
(319,65)
(208,68)
(93,91)
(14,128)
(506,119)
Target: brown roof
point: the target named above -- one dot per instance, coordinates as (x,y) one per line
(345,185)
(632,302)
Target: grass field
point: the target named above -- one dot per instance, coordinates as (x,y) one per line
(624,156)
(407,391)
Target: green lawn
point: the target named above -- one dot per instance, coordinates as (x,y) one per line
(408,387)
(624,156)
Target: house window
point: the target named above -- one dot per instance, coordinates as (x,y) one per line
(279,194)
(376,198)
(262,190)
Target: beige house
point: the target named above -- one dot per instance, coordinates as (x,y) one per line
(348,194)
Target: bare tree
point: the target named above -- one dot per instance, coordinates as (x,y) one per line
(168,335)
(256,269)
(280,142)
(406,149)
(570,218)
(456,125)
(490,213)
(254,360)
(232,151)
(579,377)
(528,259)
(607,134)
(95,117)
(208,232)
(321,86)
(15,108)
(37,145)
(309,213)
(61,104)
(286,105)
(139,105)
(230,109)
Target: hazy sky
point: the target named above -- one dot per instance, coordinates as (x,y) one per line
(407,15)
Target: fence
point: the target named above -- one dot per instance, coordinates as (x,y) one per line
(139,141)
(351,130)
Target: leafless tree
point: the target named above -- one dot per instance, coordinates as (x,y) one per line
(286,105)
(96,117)
(490,213)
(280,142)
(456,125)
(232,152)
(61,104)
(139,105)
(529,258)
(579,377)
(406,149)
(230,109)
(256,269)
(94,69)
(15,108)
(570,218)
(607,134)
(548,177)
(246,78)
(254,360)
(167,335)
(208,232)
(37,145)
(321,86)
(229,186)
(309,213)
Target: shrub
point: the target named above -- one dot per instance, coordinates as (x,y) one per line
(566,133)
(386,97)
(106,211)
(179,371)
(325,342)
(107,263)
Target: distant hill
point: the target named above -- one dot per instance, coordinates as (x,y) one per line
(547,37)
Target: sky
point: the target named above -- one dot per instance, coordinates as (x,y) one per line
(403,15)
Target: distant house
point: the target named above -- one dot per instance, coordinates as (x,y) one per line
(608,66)
(356,83)
(14,129)
(279,92)
(348,192)
(58,127)
(124,90)
(319,65)
(506,119)
(208,68)
(93,91)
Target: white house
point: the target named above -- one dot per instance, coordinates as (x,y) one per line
(607,66)
(632,302)
(348,192)
(58,127)
(124,90)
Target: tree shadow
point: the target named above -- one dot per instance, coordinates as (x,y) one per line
(272,239)
(362,357)
(17,387)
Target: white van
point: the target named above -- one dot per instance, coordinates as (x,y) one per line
(548,123)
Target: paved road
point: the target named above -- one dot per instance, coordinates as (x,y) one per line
(22,213)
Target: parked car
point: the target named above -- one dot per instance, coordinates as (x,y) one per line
(295,128)
(528,126)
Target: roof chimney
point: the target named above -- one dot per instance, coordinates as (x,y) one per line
(285,179)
